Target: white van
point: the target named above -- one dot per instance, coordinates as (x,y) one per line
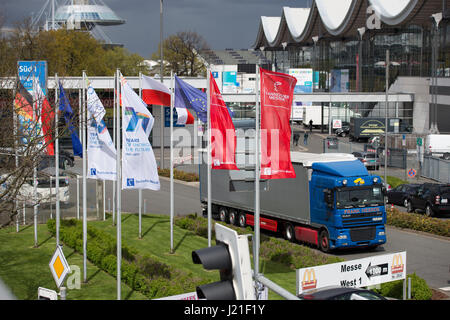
(438,145)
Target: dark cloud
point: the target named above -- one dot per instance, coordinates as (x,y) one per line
(223,23)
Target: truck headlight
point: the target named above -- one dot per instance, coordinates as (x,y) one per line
(342,237)
(381,233)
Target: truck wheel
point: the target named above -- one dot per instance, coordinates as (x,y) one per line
(223,215)
(429,211)
(242,222)
(289,232)
(324,241)
(233,217)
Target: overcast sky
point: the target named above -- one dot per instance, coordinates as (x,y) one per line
(223,23)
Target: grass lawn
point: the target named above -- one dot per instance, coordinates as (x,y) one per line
(24,268)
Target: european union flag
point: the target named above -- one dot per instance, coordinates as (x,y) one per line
(66,109)
(186,96)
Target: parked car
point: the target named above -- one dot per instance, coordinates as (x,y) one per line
(340,293)
(369,159)
(401,194)
(343,132)
(44,193)
(432,198)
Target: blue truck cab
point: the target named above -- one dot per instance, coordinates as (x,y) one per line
(348,205)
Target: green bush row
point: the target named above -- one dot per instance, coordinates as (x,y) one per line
(142,273)
(271,249)
(417,222)
(179,175)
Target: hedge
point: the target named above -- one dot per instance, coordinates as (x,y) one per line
(394,289)
(271,249)
(418,222)
(142,273)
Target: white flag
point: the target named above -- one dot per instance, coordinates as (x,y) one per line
(101,150)
(139,169)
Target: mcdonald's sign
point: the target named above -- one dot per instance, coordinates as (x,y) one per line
(397,264)
(309,280)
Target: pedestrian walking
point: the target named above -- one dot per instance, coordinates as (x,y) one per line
(296,138)
(305,138)
(310,125)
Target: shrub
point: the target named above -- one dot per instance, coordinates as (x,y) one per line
(142,273)
(418,222)
(394,289)
(271,249)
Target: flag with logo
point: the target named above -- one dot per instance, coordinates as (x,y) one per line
(100,147)
(45,118)
(66,110)
(186,96)
(139,168)
(277,90)
(223,134)
(155,92)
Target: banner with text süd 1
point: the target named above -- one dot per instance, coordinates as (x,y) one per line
(139,168)
(277,91)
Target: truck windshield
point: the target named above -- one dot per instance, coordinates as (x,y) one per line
(359,197)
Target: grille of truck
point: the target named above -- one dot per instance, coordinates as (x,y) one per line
(362,234)
(355,219)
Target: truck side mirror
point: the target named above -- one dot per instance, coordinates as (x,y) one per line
(328,197)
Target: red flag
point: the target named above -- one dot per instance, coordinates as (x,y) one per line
(277,90)
(223,135)
(46,116)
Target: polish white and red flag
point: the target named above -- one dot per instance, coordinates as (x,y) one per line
(155,92)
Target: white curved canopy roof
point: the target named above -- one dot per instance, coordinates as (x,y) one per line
(338,18)
(296,19)
(270,26)
(333,13)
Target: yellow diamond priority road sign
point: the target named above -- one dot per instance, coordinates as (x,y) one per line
(59,266)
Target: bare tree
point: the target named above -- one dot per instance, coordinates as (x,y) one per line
(181,52)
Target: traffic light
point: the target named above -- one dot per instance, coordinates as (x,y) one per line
(231,256)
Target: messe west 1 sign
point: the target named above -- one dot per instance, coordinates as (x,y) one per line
(356,273)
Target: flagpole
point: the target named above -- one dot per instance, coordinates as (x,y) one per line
(257,174)
(208,161)
(119,222)
(171,161)
(140,190)
(115,144)
(36,121)
(57,160)
(161,68)
(84,124)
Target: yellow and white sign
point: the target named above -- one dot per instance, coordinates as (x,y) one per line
(59,266)
(356,273)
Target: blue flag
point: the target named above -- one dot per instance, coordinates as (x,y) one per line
(186,96)
(66,109)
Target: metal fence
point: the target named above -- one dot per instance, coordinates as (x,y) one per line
(400,162)
(436,169)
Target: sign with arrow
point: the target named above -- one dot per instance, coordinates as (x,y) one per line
(356,273)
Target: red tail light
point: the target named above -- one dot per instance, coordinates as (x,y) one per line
(437,200)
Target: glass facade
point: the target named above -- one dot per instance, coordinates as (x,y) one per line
(415,51)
